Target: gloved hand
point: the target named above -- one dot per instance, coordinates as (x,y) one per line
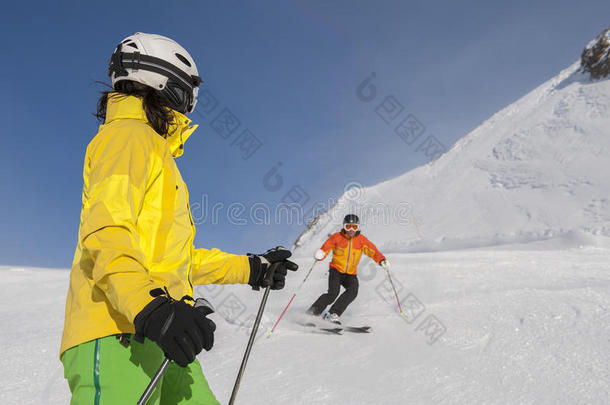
(270,268)
(385,264)
(320,255)
(179,329)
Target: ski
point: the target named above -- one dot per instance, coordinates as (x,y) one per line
(332,327)
(348,327)
(337,329)
(330,330)
(357,329)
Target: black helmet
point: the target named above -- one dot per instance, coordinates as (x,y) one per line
(351,219)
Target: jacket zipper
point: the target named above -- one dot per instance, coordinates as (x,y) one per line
(191,241)
(349,249)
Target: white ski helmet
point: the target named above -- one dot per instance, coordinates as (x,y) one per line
(158,62)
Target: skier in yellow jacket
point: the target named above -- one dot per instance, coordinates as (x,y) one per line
(129,301)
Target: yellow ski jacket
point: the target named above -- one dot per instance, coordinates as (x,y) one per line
(136,230)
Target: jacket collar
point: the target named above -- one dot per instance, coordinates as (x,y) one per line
(130,107)
(345,235)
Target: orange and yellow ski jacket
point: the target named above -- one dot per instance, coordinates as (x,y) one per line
(136,231)
(348,250)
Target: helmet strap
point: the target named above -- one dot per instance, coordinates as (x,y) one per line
(116,63)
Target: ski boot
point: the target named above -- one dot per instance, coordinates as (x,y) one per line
(334,318)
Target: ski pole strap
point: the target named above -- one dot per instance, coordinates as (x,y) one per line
(124,339)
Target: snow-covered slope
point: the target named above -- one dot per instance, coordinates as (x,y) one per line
(538,169)
(520,327)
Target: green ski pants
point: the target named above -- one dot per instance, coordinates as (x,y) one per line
(105,372)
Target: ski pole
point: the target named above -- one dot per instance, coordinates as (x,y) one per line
(206,308)
(394,288)
(153,383)
(292,298)
(244,361)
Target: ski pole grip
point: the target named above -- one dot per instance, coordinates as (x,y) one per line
(201,305)
(204,306)
(268,280)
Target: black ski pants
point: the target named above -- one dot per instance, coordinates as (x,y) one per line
(335,281)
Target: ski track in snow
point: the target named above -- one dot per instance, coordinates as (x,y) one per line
(522,327)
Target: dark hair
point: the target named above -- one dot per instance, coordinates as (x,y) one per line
(158,114)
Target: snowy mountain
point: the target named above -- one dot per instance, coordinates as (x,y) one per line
(595,58)
(536,170)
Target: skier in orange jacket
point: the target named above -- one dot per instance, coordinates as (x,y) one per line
(347,246)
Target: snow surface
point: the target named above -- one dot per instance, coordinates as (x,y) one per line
(522,326)
(536,170)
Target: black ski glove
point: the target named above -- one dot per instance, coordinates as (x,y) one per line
(179,329)
(270,268)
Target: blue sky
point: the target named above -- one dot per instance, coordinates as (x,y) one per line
(289,72)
